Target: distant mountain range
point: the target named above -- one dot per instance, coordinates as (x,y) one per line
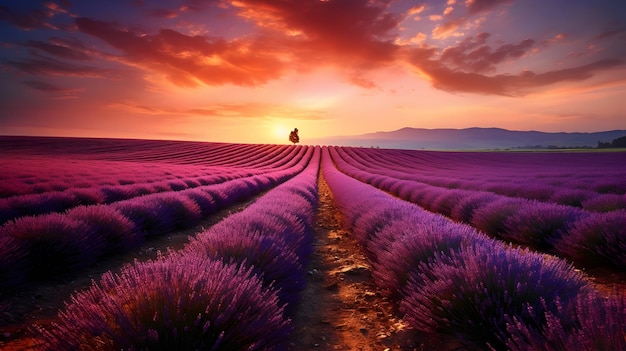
(470,139)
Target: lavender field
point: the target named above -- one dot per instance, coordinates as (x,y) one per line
(499,251)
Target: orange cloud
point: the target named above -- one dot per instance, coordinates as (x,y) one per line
(300,35)
(363,82)
(417,9)
(359,30)
(190,60)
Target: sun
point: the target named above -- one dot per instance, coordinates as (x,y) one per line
(281,133)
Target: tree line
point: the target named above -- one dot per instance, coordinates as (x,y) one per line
(619,142)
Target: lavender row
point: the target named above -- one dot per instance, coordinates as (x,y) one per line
(144,151)
(569,232)
(449,278)
(26,175)
(273,235)
(231,288)
(41,247)
(596,187)
(596,172)
(61,174)
(58,201)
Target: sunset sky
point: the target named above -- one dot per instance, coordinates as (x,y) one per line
(251,70)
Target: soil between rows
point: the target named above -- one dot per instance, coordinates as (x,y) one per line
(341,308)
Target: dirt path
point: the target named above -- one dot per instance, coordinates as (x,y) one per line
(341,308)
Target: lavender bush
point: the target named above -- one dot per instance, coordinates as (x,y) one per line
(414,243)
(181,210)
(572,197)
(144,216)
(267,255)
(472,295)
(539,224)
(204,201)
(116,232)
(181,303)
(491,217)
(597,239)
(605,203)
(56,244)
(463,210)
(445,202)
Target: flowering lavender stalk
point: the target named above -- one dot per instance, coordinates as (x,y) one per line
(473,292)
(186,303)
(599,323)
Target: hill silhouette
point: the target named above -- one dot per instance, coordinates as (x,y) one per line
(471,139)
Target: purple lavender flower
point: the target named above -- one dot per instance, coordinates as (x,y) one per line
(597,239)
(181,303)
(491,217)
(605,203)
(56,244)
(117,233)
(539,224)
(472,293)
(464,209)
(268,255)
(414,243)
(599,323)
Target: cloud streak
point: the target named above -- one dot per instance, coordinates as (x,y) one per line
(52,67)
(34,19)
(245,111)
(55,90)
